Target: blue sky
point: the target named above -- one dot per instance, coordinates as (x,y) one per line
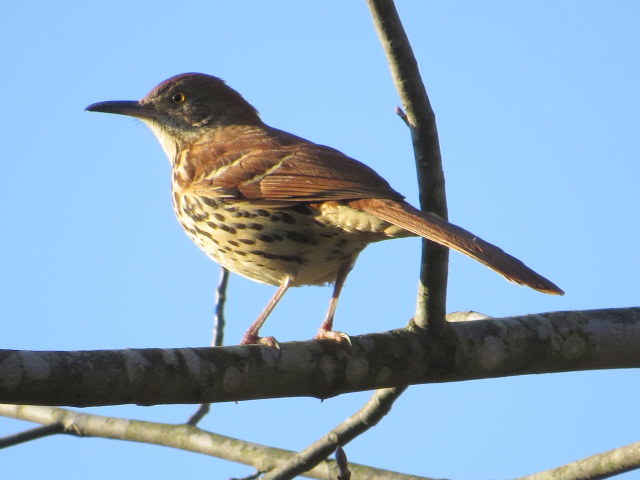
(537,107)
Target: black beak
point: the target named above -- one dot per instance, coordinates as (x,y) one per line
(124,107)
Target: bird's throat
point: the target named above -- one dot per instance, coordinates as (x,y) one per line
(167,141)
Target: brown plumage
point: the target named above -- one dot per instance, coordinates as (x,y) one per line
(280,209)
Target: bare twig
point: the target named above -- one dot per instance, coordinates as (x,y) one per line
(596,467)
(368,416)
(31,434)
(253,476)
(199,414)
(217,337)
(403,116)
(218,315)
(419,116)
(343,465)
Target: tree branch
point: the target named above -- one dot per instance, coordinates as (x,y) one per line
(263,458)
(368,416)
(596,467)
(218,314)
(217,337)
(343,465)
(542,343)
(31,434)
(419,116)
(188,438)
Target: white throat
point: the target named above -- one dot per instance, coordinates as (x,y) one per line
(167,142)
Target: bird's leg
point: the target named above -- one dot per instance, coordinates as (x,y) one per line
(326,332)
(251,335)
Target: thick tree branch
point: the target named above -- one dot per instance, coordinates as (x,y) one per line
(543,343)
(188,438)
(419,116)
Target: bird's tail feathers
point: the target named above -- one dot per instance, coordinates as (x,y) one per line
(432,227)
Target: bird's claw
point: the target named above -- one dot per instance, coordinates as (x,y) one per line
(269,342)
(339,337)
(253,339)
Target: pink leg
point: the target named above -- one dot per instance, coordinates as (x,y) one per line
(251,335)
(326,329)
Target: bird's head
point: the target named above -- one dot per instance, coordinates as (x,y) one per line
(185,108)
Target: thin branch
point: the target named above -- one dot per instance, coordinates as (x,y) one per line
(432,293)
(596,467)
(187,438)
(542,343)
(403,116)
(253,476)
(31,434)
(343,465)
(202,410)
(218,315)
(368,416)
(217,337)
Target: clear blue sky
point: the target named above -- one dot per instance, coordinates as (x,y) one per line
(537,106)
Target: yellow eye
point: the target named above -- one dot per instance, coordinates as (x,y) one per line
(178,97)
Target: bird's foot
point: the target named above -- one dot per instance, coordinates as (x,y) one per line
(339,337)
(250,338)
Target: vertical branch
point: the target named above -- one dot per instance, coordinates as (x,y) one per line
(432,294)
(217,337)
(218,314)
(343,465)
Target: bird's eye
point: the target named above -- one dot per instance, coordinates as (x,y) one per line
(178,97)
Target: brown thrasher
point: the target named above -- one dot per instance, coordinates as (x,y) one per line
(277,208)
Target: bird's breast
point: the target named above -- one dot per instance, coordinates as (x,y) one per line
(267,244)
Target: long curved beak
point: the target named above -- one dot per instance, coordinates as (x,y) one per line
(124,107)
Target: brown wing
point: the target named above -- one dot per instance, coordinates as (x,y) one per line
(275,168)
(278,167)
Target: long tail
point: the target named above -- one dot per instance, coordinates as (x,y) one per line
(433,228)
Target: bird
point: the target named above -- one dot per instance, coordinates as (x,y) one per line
(277,208)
